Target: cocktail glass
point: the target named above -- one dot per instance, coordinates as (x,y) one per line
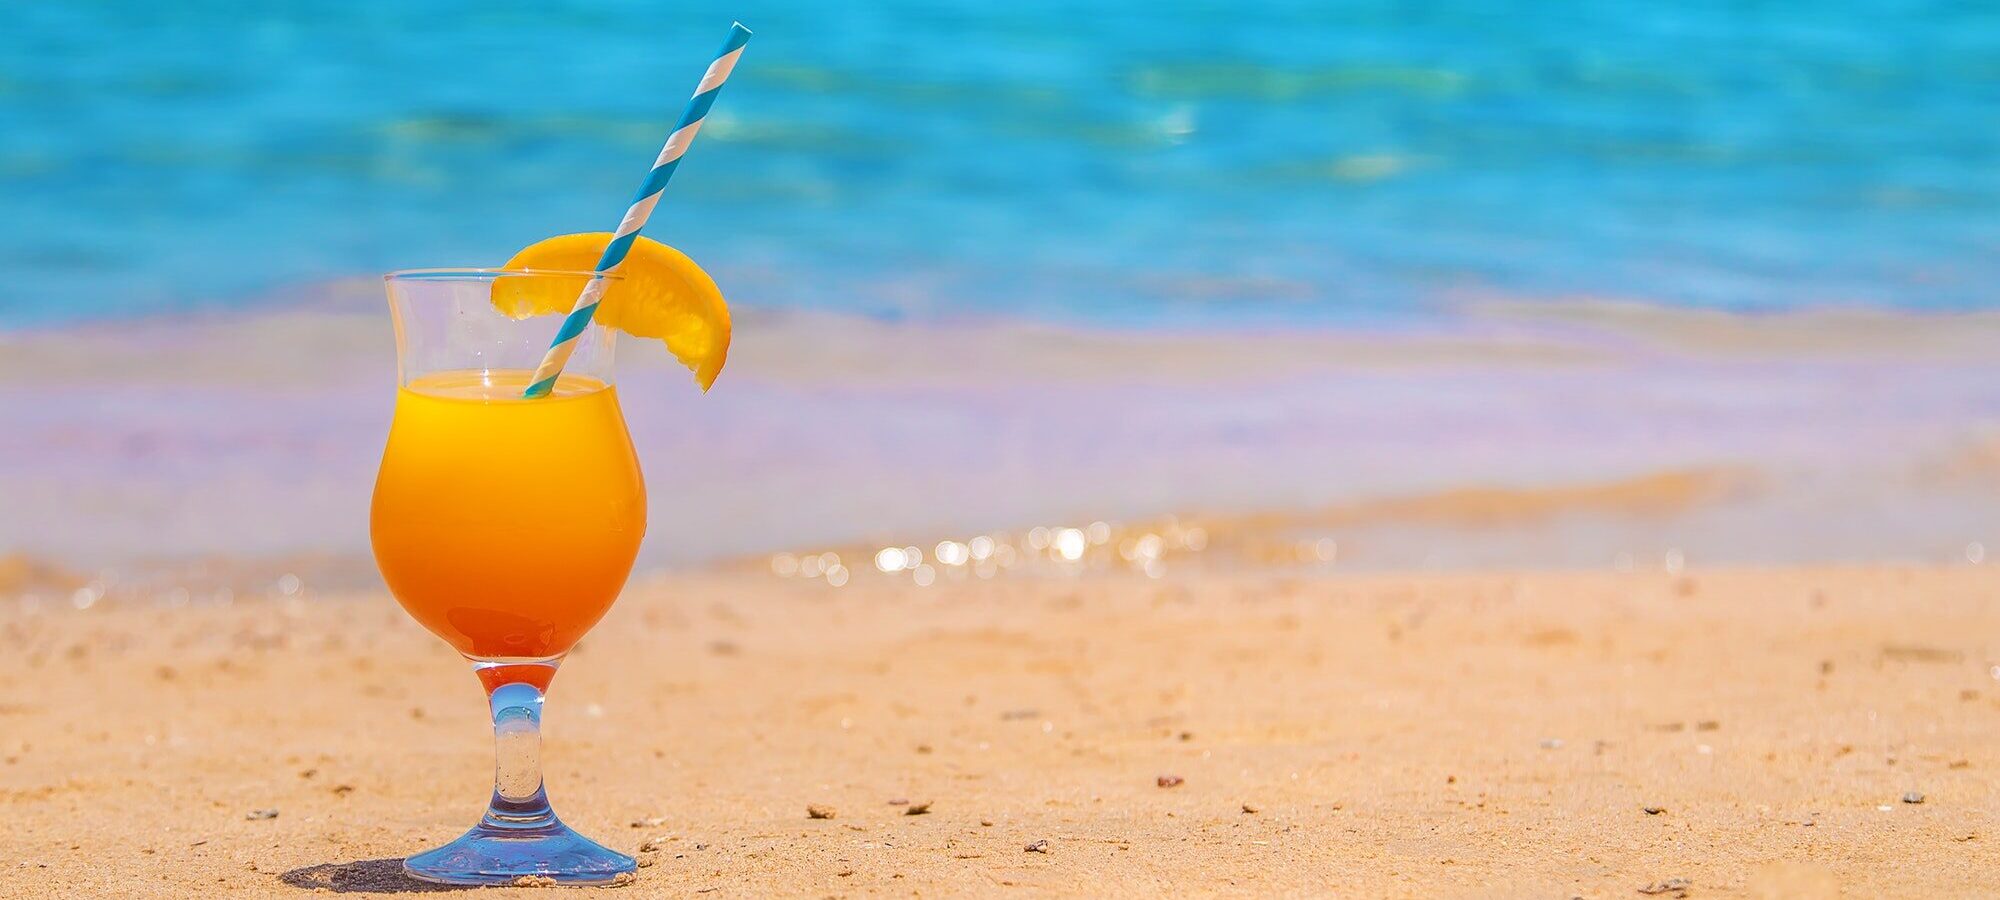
(507,527)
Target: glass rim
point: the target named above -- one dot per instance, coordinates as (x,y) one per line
(473,273)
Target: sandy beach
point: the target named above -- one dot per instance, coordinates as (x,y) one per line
(1753,733)
(1584,600)
(1572,600)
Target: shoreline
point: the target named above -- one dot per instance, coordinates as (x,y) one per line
(249,442)
(1484,528)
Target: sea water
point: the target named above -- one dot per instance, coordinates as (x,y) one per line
(1121,163)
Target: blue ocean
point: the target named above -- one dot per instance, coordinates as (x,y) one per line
(1126,164)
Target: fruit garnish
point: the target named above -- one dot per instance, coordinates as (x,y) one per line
(658,293)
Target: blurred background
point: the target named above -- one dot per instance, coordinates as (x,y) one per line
(1337,284)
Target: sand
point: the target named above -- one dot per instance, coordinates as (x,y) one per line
(1753,732)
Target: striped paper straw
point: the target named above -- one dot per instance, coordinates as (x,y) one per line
(642,207)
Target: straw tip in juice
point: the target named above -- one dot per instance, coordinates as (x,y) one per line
(659,293)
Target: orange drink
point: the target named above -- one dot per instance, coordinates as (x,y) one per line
(507,523)
(507,526)
(509,506)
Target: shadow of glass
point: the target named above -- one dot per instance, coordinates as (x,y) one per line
(373,876)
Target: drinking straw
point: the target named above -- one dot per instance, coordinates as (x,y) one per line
(642,207)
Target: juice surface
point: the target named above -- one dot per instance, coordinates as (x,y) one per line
(507,526)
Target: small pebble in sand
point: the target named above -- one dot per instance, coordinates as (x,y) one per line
(1653,810)
(986,823)
(261,814)
(1249,809)
(653,844)
(342,790)
(1913,797)
(1036,847)
(918,809)
(924,748)
(1675,886)
(817,811)
(1167,781)
(647,859)
(649,822)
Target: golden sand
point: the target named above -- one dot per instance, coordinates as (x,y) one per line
(1730,734)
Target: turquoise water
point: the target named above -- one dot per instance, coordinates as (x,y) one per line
(1121,163)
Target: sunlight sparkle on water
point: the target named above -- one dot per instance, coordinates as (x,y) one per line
(1045,550)
(1070,543)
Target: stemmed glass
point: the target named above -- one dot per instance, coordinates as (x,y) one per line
(507,527)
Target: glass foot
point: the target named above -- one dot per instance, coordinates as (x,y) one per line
(520,836)
(489,855)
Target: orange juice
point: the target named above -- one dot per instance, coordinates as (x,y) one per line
(507,526)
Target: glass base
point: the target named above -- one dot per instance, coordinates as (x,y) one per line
(519,840)
(505,855)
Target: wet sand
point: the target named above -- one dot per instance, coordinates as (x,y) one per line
(249,440)
(1758,733)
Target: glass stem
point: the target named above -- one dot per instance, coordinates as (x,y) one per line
(515,690)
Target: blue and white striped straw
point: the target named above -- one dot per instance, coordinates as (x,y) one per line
(642,207)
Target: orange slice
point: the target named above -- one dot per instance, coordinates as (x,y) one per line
(659,293)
